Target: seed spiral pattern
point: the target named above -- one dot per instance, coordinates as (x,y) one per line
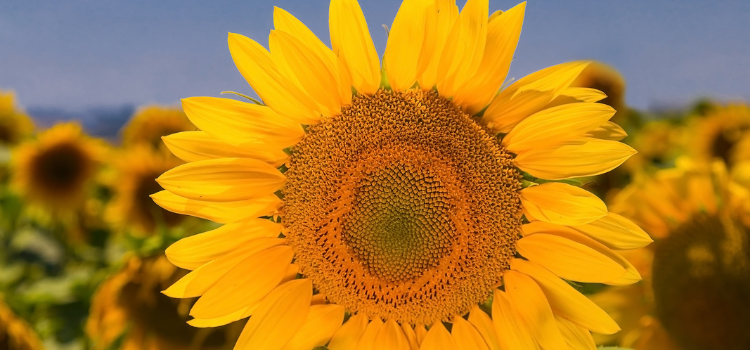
(402,207)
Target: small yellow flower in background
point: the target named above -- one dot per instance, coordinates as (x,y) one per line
(420,199)
(14,124)
(134,181)
(149,124)
(54,171)
(128,308)
(724,132)
(697,272)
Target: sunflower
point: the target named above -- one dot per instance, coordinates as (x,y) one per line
(129,309)
(15,334)
(720,134)
(14,124)
(134,181)
(408,199)
(54,171)
(149,124)
(697,273)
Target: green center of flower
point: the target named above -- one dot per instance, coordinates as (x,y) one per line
(402,207)
(701,281)
(400,222)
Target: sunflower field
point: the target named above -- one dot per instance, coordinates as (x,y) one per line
(419,200)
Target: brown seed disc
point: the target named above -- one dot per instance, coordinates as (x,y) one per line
(701,281)
(402,207)
(61,170)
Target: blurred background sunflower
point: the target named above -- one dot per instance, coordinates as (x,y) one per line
(15,125)
(133,182)
(130,312)
(696,272)
(149,124)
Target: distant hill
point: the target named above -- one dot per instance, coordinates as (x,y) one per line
(100,121)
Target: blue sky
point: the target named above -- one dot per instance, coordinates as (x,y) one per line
(81,53)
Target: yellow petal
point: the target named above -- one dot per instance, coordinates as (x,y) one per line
(351,40)
(220,212)
(583,94)
(438,338)
(411,336)
(421,333)
(503,32)
(512,333)
(236,122)
(464,48)
(284,21)
(576,336)
(615,232)
(483,323)
(256,65)
(465,334)
(222,180)
(347,336)
(322,321)
(531,303)
(278,318)
(565,301)
(556,78)
(575,158)
(367,340)
(529,95)
(192,146)
(246,284)
(404,47)
(556,125)
(245,312)
(391,337)
(194,251)
(438,23)
(608,131)
(562,204)
(568,259)
(315,78)
(199,281)
(631,273)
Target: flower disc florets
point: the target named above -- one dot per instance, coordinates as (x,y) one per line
(402,207)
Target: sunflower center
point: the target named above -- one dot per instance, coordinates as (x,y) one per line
(6,135)
(61,168)
(402,207)
(701,284)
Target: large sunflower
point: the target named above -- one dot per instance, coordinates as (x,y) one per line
(149,124)
(697,273)
(15,334)
(407,201)
(128,310)
(136,171)
(54,170)
(14,124)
